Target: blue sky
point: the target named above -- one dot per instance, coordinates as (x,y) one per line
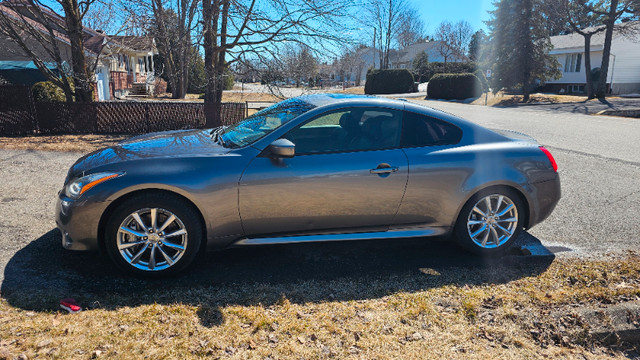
(433,12)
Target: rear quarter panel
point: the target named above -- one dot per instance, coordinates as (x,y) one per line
(442,179)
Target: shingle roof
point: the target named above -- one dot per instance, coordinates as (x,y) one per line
(134,42)
(575,40)
(93,40)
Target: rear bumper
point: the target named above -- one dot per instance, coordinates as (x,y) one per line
(545,195)
(78,222)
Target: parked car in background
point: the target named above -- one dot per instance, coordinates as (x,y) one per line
(312,168)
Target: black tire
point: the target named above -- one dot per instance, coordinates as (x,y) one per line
(164,249)
(464,229)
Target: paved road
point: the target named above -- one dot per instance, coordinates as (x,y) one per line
(599,159)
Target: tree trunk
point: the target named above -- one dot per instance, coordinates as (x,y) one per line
(213,54)
(83,83)
(601,91)
(587,66)
(528,51)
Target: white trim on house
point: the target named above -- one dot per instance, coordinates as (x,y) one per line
(624,62)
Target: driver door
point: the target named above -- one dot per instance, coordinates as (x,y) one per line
(348,174)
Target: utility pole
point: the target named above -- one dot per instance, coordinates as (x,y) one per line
(374,48)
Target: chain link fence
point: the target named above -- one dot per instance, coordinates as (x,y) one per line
(20,115)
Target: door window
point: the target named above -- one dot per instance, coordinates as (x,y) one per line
(348,130)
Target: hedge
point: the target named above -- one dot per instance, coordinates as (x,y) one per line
(454,86)
(451,68)
(393,81)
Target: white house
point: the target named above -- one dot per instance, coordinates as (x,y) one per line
(403,59)
(367,57)
(624,64)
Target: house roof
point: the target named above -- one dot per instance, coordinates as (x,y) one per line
(93,40)
(575,40)
(409,53)
(135,42)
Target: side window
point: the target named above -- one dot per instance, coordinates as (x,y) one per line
(346,130)
(421,130)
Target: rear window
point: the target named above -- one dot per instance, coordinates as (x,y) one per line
(421,130)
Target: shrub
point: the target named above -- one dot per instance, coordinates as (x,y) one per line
(451,68)
(483,79)
(228,80)
(454,86)
(47,91)
(395,81)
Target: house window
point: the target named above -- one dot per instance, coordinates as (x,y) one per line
(576,89)
(572,63)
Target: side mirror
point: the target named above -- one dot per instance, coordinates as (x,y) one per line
(282,148)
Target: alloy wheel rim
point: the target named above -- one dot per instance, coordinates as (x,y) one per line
(492,221)
(152,239)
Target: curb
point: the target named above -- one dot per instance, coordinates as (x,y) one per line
(634,113)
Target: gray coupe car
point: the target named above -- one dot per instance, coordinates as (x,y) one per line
(312,168)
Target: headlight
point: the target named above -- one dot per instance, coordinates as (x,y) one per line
(78,186)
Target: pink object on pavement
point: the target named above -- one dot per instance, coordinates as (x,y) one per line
(70,305)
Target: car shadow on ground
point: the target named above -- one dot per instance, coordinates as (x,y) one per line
(42,273)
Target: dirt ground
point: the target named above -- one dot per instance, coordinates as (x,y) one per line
(65,143)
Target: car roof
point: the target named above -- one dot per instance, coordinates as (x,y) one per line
(320,100)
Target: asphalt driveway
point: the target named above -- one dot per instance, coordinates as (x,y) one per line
(599,166)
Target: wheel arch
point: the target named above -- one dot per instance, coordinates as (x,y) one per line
(488,187)
(104,218)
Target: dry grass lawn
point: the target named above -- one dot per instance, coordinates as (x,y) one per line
(502,99)
(226,97)
(69,143)
(357,90)
(440,316)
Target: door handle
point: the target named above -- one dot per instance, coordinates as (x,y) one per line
(384,169)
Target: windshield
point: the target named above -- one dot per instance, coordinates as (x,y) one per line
(263,122)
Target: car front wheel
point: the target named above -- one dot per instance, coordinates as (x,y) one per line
(490,221)
(153,235)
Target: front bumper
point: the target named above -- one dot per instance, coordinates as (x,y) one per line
(78,221)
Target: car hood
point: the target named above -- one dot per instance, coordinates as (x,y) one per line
(167,144)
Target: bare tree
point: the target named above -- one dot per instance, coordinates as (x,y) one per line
(41,33)
(299,63)
(444,34)
(386,16)
(242,30)
(173,23)
(410,28)
(454,39)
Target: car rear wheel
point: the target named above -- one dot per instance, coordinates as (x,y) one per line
(490,221)
(153,235)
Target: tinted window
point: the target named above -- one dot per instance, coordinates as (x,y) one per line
(421,130)
(348,130)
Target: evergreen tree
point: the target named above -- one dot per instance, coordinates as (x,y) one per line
(521,46)
(476,46)
(421,66)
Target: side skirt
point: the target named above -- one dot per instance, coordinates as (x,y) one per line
(390,234)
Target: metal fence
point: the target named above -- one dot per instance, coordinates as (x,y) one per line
(20,115)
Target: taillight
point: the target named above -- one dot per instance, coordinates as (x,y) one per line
(551,159)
